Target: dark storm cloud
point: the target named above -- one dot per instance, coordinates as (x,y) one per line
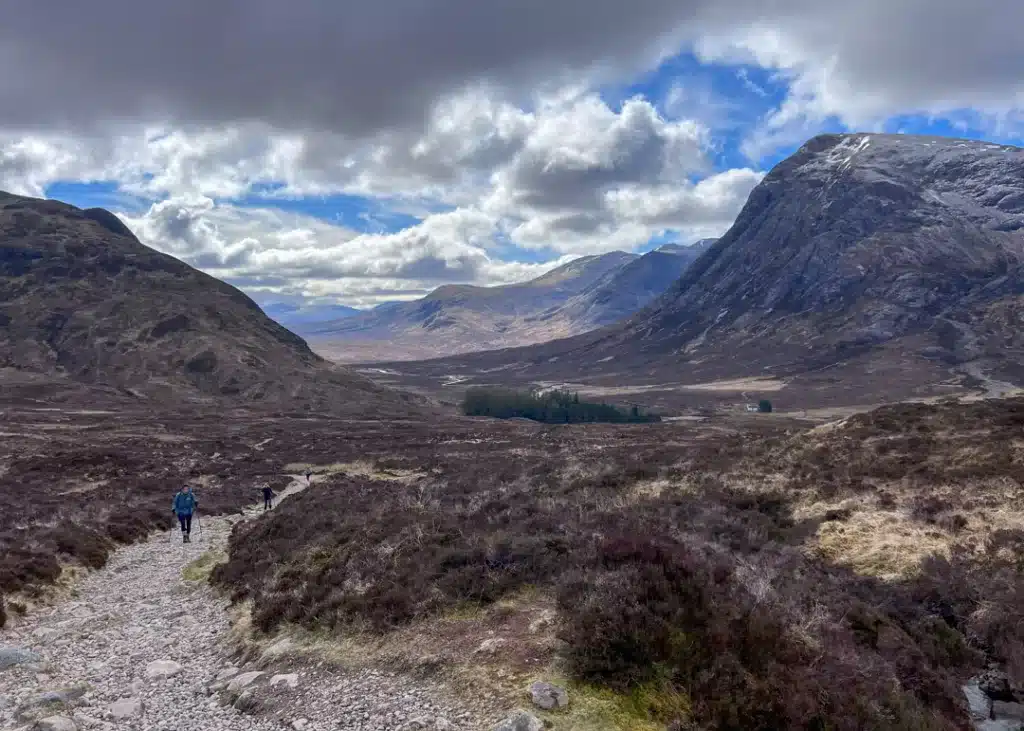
(357,67)
(353,67)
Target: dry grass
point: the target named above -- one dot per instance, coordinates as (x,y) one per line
(739,385)
(897,485)
(361,468)
(200,569)
(883,544)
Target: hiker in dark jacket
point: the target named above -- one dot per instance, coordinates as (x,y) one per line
(268,498)
(184,505)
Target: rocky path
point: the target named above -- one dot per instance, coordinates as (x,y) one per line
(142,648)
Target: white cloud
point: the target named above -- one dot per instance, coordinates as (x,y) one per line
(713,202)
(864,62)
(28,163)
(579,154)
(268,250)
(568,175)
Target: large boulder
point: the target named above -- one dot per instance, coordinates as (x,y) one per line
(243,681)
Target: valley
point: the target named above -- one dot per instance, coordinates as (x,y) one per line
(516,366)
(848,561)
(863,269)
(575,298)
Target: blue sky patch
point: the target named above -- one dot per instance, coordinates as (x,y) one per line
(106,194)
(366,215)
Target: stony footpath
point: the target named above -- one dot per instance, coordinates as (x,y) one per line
(140,647)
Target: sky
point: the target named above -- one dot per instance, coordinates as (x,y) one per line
(361,152)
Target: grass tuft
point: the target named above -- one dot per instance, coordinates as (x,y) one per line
(200,569)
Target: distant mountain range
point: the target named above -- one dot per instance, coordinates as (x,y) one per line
(864,266)
(577,297)
(301,317)
(86,309)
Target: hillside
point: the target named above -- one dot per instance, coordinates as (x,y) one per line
(577,297)
(85,306)
(735,575)
(862,267)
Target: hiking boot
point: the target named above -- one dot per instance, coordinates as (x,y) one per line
(185,538)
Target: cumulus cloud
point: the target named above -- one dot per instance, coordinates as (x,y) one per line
(568,175)
(710,203)
(267,250)
(579,148)
(28,163)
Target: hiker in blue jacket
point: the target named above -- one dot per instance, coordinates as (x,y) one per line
(185,504)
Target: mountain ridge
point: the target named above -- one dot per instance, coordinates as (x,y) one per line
(296,316)
(864,252)
(578,296)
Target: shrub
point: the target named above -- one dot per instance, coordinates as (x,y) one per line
(82,544)
(127,527)
(22,569)
(703,592)
(681,617)
(927,508)
(954,523)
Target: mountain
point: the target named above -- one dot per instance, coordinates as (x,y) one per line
(698,247)
(85,307)
(864,264)
(296,317)
(577,297)
(631,287)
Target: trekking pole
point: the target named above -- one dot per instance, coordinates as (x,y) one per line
(199,524)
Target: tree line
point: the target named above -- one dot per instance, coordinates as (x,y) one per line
(550,407)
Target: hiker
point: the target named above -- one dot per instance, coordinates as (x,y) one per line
(268,497)
(309,477)
(185,504)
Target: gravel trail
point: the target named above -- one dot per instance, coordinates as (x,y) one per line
(139,648)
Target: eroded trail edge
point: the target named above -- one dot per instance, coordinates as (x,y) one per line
(140,646)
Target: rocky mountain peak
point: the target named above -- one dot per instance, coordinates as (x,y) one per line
(857,249)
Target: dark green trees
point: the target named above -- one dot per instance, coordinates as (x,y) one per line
(552,407)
